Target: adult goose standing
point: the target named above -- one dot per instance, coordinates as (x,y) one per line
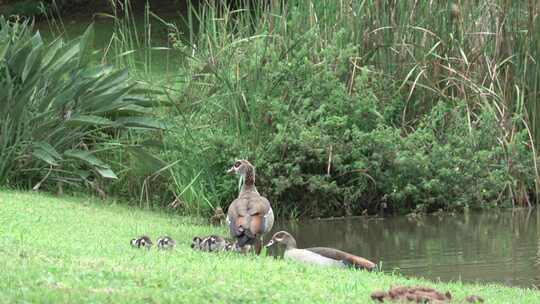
(250,216)
(322,256)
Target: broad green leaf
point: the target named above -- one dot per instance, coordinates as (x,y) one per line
(4,46)
(45,146)
(142,91)
(18,60)
(146,102)
(47,100)
(86,83)
(149,163)
(45,152)
(88,120)
(96,71)
(106,173)
(86,157)
(85,46)
(132,109)
(141,122)
(110,81)
(65,97)
(36,40)
(107,102)
(44,156)
(62,60)
(51,51)
(32,64)
(83,174)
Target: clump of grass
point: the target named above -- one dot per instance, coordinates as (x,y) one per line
(44,261)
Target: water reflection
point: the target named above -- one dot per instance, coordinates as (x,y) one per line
(499,247)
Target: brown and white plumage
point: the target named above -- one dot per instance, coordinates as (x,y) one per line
(250,215)
(212,243)
(141,242)
(321,256)
(165,242)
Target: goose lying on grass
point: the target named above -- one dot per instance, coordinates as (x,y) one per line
(322,256)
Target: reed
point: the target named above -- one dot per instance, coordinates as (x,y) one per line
(483,52)
(229,61)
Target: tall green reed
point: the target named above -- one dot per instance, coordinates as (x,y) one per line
(482,51)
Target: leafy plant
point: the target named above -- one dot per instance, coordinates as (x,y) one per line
(59,111)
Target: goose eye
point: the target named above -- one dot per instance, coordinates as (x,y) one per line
(237,164)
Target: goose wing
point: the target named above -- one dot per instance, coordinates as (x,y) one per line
(249,216)
(346,258)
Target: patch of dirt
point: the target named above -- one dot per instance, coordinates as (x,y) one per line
(418,294)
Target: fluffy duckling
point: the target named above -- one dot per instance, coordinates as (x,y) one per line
(212,243)
(165,242)
(141,242)
(321,256)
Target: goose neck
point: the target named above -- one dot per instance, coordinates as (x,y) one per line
(290,244)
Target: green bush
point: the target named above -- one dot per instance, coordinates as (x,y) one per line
(61,115)
(426,170)
(326,135)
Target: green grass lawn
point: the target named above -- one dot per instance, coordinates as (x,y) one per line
(74,250)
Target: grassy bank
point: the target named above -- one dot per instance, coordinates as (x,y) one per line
(73,250)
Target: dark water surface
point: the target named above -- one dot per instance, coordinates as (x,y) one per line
(151,46)
(498,247)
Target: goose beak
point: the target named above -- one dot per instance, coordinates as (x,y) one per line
(269,243)
(231,170)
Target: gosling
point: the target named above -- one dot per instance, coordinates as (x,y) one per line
(165,243)
(142,242)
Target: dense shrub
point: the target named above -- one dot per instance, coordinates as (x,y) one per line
(347,159)
(326,137)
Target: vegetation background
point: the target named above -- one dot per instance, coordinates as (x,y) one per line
(345,107)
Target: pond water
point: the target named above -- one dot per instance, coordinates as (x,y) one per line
(502,247)
(149,45)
